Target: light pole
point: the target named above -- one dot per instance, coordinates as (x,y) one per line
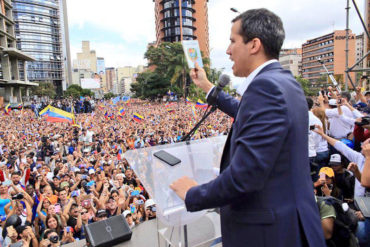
(235,10)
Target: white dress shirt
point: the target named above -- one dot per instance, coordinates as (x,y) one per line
(339,128)
(244,86)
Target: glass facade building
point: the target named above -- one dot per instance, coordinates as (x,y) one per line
(194,17)
(40,33)
(171,20)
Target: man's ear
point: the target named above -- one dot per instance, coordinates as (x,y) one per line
(256,46)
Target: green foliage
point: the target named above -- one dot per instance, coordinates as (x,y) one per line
(150,85)
(307,89)
(76,91)
(108,95)
(44,89)
(170,72)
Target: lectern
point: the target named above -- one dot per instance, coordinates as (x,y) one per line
(199,160)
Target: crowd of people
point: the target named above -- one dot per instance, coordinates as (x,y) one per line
(339,153)
(57,177)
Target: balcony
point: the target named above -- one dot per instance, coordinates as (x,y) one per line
(13,52)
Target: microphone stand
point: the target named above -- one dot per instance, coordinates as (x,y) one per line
(191,133)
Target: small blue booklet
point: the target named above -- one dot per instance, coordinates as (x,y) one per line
(192,53)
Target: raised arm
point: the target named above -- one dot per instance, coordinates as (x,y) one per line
(365,177)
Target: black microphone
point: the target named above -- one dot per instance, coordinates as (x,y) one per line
(222,82)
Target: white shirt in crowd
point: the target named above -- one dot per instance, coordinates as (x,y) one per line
(338,128)
(313,138)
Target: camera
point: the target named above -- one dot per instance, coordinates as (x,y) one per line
(54,239)
(18,196)
(312,127)
(364,121)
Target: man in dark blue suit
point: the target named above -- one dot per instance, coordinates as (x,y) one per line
(264,189)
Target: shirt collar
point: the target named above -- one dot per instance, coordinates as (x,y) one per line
(244,86)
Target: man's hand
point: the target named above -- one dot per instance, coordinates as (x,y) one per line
(360,216)
(182,185)
(318,129)
(353,167)
(199,77)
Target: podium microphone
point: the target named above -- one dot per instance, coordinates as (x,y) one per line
(222,82)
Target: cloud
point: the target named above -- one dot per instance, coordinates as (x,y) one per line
(132,20)
(302,20)
(133,23)
(115,55)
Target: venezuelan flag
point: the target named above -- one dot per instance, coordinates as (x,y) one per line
(7,109)
(121,112)
(119,154)
(19,106)
(73,117)
(170,110)
(57,115)
(126,99)
(45,111)
(201,104)
(194,112)
(187,100)
(138,118)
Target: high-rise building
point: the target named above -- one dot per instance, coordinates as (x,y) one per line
(111,78)
(12,61)
(291,59)
(42,32)
(126,76)
(359,52)
(330,48)
(86,59)
(194,24)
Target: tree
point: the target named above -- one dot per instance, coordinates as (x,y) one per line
(171,67)
(305,84)
(76,91)
(108,95)
(150,85)
(44,89)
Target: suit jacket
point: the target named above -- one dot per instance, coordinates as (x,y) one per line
(264,190)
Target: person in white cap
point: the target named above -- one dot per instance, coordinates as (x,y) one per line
(127,214)
(150,209)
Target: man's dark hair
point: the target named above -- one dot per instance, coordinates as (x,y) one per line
(309,103)
(346,95)
(265,25)
(48,232)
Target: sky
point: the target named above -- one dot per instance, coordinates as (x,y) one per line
(120,30)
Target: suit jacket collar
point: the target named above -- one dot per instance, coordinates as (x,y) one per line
(244,86)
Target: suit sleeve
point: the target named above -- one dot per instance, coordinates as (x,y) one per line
(227,104)
(262,129)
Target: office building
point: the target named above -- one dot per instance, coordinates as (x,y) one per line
(111,79)
(89,66)
(330,48)
(194,24)
(13,76)
(86,59)
(42,32)
(359,52)
(126,76)
(291,59)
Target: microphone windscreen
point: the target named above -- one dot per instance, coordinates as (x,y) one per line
(223,80)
